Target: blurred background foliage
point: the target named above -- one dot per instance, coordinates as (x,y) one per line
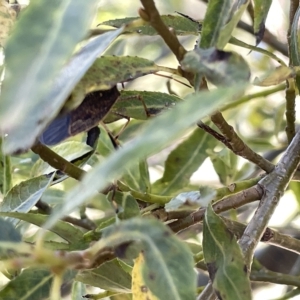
(260,122)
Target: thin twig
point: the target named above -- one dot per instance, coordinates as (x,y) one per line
(238,146)
(151,15)
(83,223)
(237,200)
(273,186)
(57,162)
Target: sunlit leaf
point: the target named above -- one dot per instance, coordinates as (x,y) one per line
(216,16)
(276,76)
(237,10)
(224,259)
(182,26)
(22,197)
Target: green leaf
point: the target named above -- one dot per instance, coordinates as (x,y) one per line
(168,270)
(183,161)
(295,44)
(69,150)
(140,105)
(129,206)
(23,196)
(31,284)
(137,177)
(156,134)
(224,259)
(225,165)
(261,10)
(276,76)
(78,290)
(217,15)
(58,27)
(236,13)
(109,276)
(107,71)
(219,67)
(182,26)
(63,229)
(8,232)
(5,171)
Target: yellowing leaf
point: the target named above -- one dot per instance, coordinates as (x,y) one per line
(139,289)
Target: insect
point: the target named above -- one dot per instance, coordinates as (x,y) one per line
(86,116)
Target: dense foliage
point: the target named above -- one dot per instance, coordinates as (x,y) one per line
(198,143)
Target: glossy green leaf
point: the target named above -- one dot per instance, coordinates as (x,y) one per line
(181,25)
(168,270)
(224,259)
(109,276)
(22,197)
(69,150)
(261,10)
(63,229)
(146,143)
(5,172)
(59,27)
(276,76)
(219,67)
(141,105)
(183,161)
(237,10)
(216,16)
(31,284)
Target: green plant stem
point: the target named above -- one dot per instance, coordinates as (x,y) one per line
(273,186)
(247,98)
(237,145)
(57,162)
(208,293)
